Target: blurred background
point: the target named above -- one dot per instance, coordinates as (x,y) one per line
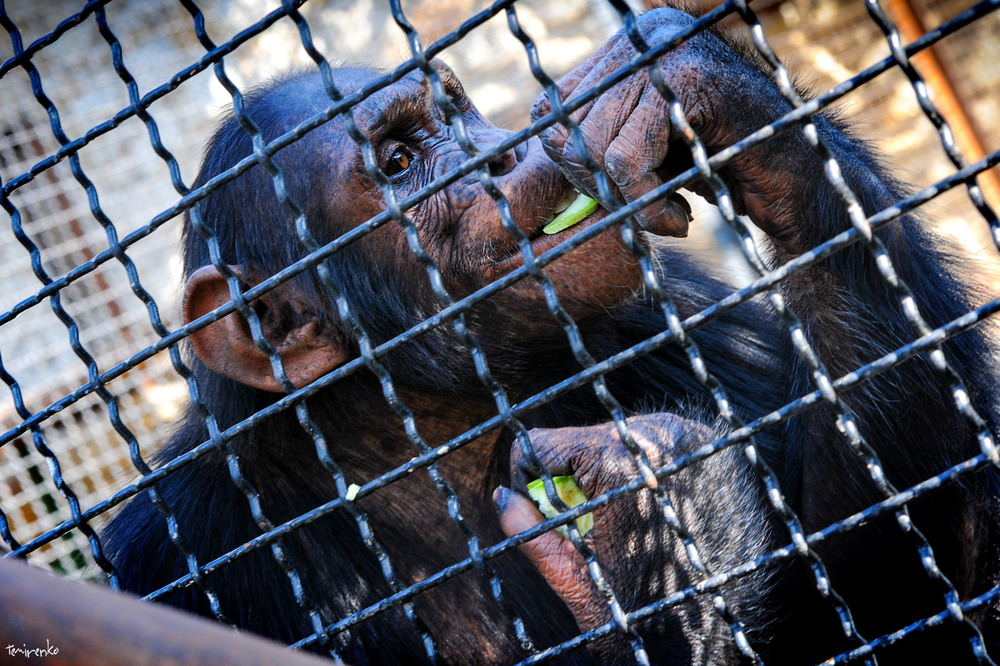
(823,41)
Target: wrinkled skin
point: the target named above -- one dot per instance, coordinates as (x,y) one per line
(628,131)
(843,303)
(630,536)
(461,227)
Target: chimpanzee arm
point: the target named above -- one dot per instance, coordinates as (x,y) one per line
(850,315)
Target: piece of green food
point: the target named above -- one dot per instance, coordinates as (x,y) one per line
(577,211)
(569,493)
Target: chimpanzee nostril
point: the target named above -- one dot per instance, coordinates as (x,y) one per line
(503,163)
(521,150)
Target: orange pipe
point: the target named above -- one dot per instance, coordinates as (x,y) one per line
(946,99)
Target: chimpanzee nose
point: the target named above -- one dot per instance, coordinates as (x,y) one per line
(503,163)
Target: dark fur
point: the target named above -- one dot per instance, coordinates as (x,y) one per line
(907,416)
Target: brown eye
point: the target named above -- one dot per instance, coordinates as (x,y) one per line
(399,162)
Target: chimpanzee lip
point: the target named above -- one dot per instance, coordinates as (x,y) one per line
(542,242)
(506,253)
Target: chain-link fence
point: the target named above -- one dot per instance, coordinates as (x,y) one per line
(374,322)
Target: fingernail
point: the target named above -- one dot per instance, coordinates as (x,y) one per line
(555,136)
(502,497)
(671,220)
(616,171)
(684,204)
(674,210)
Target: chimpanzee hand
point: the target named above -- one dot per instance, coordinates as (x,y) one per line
(642,559)
(628,129)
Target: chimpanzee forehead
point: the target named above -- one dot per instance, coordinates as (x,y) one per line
(298,98)
(406,102)
(304,94)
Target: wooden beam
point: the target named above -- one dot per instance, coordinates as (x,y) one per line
(52,620)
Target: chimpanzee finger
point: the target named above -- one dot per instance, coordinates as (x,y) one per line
(556,449)
(557,140)
(554,137)
(599,124)
(559,563)
(633,159)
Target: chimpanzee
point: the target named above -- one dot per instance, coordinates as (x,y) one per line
(907,415)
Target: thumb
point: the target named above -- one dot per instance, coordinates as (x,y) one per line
(563,568)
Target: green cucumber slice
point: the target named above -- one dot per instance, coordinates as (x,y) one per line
(579,210)
(569,493)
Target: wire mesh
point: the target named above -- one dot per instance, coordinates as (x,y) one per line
(94,390)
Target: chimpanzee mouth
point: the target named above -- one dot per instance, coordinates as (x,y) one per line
(572,209)
(573,212)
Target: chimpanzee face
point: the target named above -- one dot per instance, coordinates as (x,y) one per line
(460,227)
(329,175)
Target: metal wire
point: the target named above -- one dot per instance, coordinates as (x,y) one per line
(328,632)
(716,161)
(173,525)
(847,424)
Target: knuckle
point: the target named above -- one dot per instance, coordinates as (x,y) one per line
(663,20)
(554,141)
(541,107)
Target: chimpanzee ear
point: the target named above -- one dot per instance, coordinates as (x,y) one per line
(227,347)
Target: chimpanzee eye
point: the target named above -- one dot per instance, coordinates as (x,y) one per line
(398,162)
